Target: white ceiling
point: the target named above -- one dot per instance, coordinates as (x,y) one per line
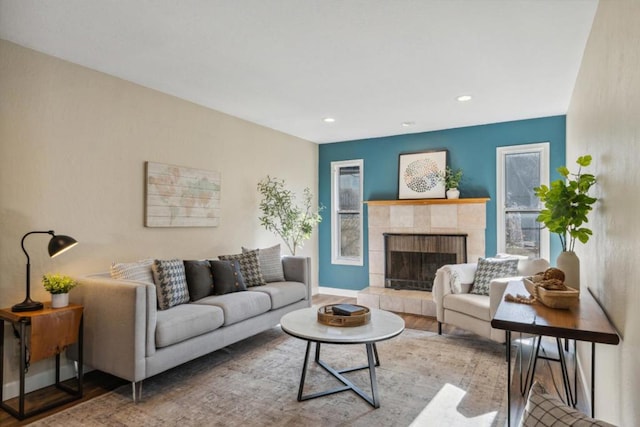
(287,64)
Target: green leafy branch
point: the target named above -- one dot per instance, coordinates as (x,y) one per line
(281,214)
(566,204)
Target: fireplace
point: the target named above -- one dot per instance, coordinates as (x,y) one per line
(411,260)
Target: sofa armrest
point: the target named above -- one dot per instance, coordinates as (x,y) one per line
(298,269)
(442,284)
(496,292)
(116,326)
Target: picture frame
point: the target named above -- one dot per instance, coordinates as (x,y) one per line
(420,175)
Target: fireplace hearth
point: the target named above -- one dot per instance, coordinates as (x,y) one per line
(411,260)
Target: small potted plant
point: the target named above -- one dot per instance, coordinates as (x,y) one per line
(58,286)
(451,179)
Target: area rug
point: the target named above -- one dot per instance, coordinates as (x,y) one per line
(424,379)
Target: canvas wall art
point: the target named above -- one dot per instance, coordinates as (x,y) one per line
(420,175)
(179,196)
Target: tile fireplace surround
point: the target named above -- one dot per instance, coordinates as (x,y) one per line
(427,216)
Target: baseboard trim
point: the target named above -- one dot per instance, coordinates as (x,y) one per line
(337,292)
(37,381)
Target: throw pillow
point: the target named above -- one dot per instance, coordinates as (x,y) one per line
(543,409)
(199,279)
(140,271)
(227,277)
(171,283)
(270,263)
(489,269)
(249,266)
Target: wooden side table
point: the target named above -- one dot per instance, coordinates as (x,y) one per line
(42,334)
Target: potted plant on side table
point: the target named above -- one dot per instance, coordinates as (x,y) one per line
(58,286)
(566,205)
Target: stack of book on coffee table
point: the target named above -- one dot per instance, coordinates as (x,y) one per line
(348,310)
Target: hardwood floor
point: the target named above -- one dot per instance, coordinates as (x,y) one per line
(97,383)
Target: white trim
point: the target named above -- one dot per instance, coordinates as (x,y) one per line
(335,248)
(41,379)
(337,292)
(501,152)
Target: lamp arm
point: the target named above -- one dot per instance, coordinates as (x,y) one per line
(29,260)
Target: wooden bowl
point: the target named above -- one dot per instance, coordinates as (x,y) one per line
(529,285)
(559,299)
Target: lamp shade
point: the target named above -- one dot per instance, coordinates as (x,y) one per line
(60,243)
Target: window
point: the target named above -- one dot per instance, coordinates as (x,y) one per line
(520,169)
(346,212)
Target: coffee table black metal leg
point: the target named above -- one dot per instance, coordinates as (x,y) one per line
(304,370)
(372,362)
(371,349)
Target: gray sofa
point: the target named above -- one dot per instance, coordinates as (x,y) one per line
(127,336)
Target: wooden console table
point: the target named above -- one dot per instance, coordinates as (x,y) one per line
(42,334)
(584,322)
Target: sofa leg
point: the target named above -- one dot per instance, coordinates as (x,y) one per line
(136,388)
(439,328)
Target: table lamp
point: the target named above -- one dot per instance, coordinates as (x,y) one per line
(57,245)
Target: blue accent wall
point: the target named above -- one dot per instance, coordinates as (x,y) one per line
(472,149)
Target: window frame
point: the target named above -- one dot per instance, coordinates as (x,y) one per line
(336,258)
(543,148)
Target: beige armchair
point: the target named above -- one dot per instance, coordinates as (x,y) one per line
(456,306)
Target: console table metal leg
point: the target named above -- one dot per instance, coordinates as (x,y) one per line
(593,378)
(508,351)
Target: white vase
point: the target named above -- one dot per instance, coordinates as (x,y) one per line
(453,193)
(59,300)
(569,263)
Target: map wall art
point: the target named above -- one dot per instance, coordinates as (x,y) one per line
(179,196)
(420,175)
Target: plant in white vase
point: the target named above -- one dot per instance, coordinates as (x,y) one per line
(566,205)
(451,179)
(58,286)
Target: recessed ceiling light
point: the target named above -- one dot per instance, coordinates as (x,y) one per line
(408,124)
(328,120)
(464,98)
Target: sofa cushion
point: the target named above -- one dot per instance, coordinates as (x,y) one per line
(492,268)
(470,304)
(227,277)
(239,306)
(199,279)
(171,283)
(283,293)
(186,321)
(249,266)
(140,270)
(270,263)
(544,409)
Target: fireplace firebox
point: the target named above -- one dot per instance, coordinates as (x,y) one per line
(411,260)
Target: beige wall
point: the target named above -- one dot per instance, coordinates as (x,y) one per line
(604,121)
(73,146)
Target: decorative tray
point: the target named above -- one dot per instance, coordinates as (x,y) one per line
(558,299)
(360,317)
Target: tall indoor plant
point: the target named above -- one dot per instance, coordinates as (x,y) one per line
(566,205)
(281,214)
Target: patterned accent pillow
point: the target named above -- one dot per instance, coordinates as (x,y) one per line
(270,263)
(140,271)
(489,269)
(249,267)
(227,277)
(543,409)
(171,283)
(199,279)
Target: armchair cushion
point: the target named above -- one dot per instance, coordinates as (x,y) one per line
(492,268)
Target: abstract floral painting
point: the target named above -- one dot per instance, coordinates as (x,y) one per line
(420,175)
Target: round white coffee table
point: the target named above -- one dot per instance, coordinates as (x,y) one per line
(304,324)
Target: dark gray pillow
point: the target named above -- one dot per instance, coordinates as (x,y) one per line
(270,263)
(199,279)
(249,266)
(227,277)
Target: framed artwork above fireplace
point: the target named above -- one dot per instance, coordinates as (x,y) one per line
(420,175)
